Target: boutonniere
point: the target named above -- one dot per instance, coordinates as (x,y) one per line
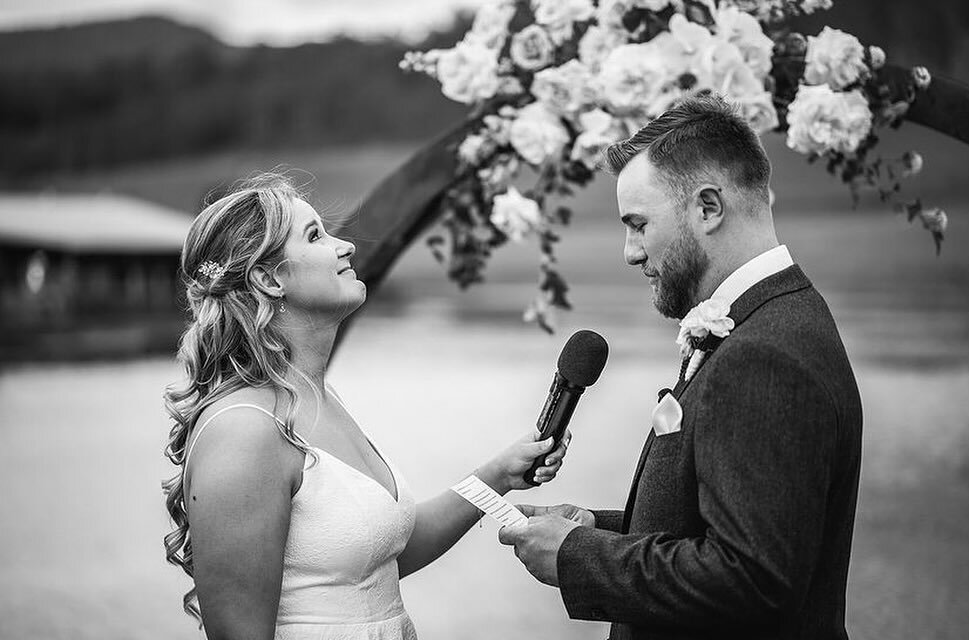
(704,327)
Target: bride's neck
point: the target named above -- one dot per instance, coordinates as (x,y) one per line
(311,351)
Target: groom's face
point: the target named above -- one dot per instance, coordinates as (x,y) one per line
(659,239)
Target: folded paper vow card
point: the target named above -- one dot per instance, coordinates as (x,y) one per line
(485,498)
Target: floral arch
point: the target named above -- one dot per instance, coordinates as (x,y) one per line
(549,83)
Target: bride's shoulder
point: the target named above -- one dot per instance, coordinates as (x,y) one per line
(241,420)
(262,397)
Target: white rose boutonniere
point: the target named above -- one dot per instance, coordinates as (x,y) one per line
(707,318)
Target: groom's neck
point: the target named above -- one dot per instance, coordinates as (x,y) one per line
(724,260)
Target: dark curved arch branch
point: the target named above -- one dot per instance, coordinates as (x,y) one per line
(403,205)
(944,106)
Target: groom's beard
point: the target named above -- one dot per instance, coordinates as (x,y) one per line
(680,270)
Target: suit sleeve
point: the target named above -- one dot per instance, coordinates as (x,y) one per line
(764,440)
(608,519)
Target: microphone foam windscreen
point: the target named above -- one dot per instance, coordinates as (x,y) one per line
(583,358)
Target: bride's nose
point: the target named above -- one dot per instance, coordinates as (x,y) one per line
(346,249)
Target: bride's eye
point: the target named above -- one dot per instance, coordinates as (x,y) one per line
(315,235)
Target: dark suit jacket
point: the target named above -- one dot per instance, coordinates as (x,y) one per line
(739,525)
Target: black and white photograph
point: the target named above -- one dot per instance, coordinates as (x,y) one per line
(484,319)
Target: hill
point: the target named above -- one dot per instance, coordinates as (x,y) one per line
(86,47)
(114,93)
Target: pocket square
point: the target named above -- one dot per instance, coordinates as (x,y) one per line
(667,416)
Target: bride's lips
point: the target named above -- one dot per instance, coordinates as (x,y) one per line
(344,270)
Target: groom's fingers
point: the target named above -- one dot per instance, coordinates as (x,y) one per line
(529,510)
(509,535)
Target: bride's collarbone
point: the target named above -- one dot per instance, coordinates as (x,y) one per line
(339,435)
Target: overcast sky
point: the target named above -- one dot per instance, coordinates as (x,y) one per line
(248,21)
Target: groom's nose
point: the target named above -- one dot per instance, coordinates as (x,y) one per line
(633,251)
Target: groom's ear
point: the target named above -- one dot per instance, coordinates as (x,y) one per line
(708,203)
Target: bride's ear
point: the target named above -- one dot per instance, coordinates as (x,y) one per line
(267,281)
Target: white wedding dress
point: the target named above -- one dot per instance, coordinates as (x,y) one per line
(340,578)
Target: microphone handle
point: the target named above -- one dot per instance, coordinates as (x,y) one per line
(562,398)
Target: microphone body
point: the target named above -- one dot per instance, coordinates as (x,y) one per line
(562,398)
(579,366)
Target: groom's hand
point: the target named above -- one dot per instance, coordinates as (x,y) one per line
(537,544)
(568,511)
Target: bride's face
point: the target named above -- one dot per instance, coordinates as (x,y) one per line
(316,274)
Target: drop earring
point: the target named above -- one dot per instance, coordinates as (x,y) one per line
(282,307)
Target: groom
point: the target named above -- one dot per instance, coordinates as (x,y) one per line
(739,519)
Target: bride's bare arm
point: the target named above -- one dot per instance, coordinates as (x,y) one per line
(241,479)
(444,519)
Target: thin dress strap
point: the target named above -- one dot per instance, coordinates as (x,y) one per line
(212,417)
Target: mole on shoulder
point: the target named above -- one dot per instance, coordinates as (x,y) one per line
(193,498)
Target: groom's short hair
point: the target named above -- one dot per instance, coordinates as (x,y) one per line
(697,134)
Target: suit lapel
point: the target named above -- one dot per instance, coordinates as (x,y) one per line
(787,281)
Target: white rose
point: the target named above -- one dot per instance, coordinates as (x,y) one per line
(490,25)
(468,72)
(717,63)
(822,120)
(763,10)
(810,6)
(565,89)
(634,76)
(597,43)
(537,134)
(558,16)
(744,31)
(652,5)
(598,121)
(532,48)
(692,36)
(834,57)
(609,13)
(759,112)
(515,215)
(599,130)
(470,149)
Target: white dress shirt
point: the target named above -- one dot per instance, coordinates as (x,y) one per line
(753,271)
(737,283)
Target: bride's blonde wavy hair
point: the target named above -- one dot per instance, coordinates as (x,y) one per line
(231,342)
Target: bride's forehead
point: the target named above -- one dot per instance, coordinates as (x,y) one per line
(303,213)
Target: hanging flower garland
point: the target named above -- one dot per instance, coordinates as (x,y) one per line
(551,83)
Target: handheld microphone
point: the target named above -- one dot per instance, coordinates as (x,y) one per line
(580,363)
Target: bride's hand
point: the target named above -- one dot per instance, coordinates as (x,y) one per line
(506,471)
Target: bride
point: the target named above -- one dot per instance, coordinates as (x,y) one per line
(290,520)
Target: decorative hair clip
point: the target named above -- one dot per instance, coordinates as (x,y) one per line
(212,270)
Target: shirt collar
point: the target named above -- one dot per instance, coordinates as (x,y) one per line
(753,271)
